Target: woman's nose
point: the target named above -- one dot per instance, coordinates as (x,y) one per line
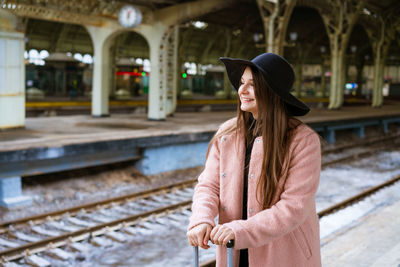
(243,89)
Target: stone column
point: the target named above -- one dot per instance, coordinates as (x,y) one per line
(160,36)
(339,22)
(12,73)
(157,94)
(101,85)
(275,16)
(171,65)
(381,38)
(12,97)
(163,42)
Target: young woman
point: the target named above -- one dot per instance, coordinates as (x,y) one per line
(261,174)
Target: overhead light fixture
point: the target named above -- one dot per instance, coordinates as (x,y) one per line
(199,24)
(293,36)
(44,54)
(366,11)
(87,59)
(236,32)
(78,56)
(139,61)
(257,37)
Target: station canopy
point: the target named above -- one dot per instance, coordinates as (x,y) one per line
(236,30)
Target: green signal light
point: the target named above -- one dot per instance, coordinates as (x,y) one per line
(184,75)
(143,73)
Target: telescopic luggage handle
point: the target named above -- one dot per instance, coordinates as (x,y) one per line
(229,256)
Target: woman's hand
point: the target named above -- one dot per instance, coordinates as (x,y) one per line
(199,235)
(221,235)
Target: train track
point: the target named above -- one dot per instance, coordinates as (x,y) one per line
(128,214)
(366,148)
(371,141)
(50,231)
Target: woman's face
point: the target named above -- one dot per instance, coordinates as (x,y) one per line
(246,93)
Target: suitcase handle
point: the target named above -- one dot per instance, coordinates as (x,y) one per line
(229,255)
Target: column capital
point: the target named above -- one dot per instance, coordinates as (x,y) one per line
(275,17)
(11,35)
(10,22)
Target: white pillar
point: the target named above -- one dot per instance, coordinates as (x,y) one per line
(171,77)
(101,38)
(157,109)
(163,43)
(12,76)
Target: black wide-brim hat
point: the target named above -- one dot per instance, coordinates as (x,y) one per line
(276,71)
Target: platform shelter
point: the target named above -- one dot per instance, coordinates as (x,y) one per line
(332,35)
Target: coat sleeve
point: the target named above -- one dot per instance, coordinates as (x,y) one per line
(296,202)
(206,194)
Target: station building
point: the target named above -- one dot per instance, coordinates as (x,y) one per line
(159,54)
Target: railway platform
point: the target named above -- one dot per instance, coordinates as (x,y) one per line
(78,129)
(373,240)
(50,144)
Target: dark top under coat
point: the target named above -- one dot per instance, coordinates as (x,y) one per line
(244,255)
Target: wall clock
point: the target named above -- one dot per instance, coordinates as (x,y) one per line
(129,16)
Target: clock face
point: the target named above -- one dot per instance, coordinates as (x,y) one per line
(129,16)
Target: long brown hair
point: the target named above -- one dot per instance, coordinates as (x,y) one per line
(273,125)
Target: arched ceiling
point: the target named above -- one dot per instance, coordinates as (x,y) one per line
(57,37)
(63,37)
(230,32)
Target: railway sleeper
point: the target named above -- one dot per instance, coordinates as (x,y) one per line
(112,212)
(8,244)
(130,230)
(177,224)
(100,241)
(46,232)
(60,254)
(10,264)
(116,236)
(187,191)
(37,261)
(150,225)
(79,247)
(24,237)
(165,200)
(144,231)
(121,210)
(62,226)
(148,203)
(179,217)
(135,206)
(178,197)
(79,222)
(186,212)
(97,218)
